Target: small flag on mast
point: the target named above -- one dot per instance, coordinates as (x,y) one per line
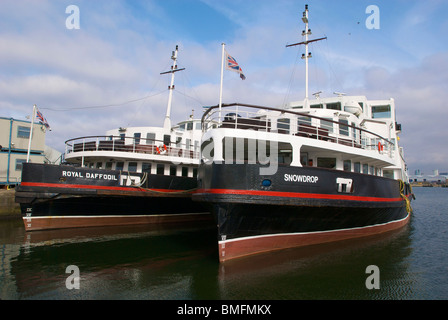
(42,119)
(232,65)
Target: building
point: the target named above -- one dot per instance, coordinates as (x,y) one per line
(14,140)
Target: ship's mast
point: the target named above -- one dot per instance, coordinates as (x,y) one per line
(307,54)
(167,122)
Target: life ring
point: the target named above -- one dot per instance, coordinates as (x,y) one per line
(161,151)
(380,146)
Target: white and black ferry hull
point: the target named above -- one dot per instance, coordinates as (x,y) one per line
(297,206)
(57,196)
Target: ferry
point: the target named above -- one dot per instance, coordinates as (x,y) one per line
(308,172)
(135,175)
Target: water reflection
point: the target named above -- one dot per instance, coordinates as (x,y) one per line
(181,262)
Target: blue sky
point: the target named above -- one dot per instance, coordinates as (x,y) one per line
(122,46)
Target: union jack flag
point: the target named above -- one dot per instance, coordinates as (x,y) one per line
(232,65)
(42,120)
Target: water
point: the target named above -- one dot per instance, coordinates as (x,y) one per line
(181,263)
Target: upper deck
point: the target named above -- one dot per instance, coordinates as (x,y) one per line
(345,133)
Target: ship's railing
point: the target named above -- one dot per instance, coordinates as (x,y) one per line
(288,122)
(131,145)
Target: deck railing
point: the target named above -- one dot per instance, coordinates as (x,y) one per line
(131,145)
(283,121)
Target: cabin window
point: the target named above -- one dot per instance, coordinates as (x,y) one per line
(381,112)
(190,126)
(317,106)
(304,158)
(303,120)
(146,167)
(283,125)
(326,163)
(365,168)
(371,170)
(347,165)
(187,144)
(178,142)
(137,137)
(388,174)
(195,172)
(198,126)
(334,106)
(184,171)
(119,166)
(357,167)
(327,124)
(173,170)
(108,165)
(99,165)
(150,138)
(160,168)
(166,139)
(132,166)
(343,128)
(122,136)
(182,127)
(23,132)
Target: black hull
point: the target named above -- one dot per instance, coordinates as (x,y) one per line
(254,218)
(54,197)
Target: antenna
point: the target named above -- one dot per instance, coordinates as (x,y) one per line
(167,122)
(307,54)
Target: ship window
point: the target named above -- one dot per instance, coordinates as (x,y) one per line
(304,120)
(357,167)
(137,137)
(347,165)
(184,171)
(182,127)
(304,158)
(178,141)
(371,170)
(381,112)
(23,132)
(150,138)
(365,168)
(198,126)
(122,135)
(108,165)
(99,165)
(326,163)
(388,174)
(173,170)
(119,166)
(283,125)
(195,172)
(334,106)
(317,106)
(343,128)
(146,167)
(166,139)
(132,166)
(160,168)
(190,126)
(327,125)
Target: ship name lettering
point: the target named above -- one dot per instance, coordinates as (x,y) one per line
(300,178)
(89,175)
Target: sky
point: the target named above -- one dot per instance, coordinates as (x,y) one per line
(102,71)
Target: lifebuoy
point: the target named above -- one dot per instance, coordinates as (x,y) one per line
(161,151)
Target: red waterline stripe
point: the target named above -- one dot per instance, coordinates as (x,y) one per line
(84,186)
(297,195)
